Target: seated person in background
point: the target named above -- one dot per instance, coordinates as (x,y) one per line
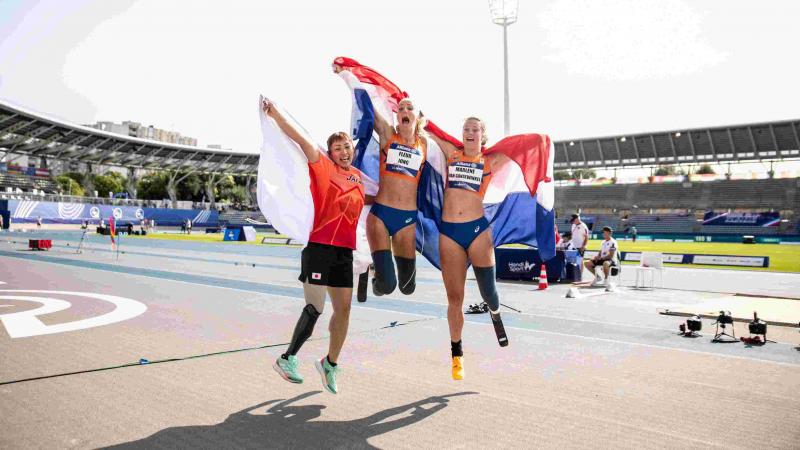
(565,243)
(607,258)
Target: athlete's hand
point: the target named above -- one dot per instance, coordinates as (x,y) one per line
(269,108)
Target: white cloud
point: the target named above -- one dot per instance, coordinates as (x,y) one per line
(627,39)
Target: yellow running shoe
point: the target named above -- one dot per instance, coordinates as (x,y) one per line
(458,368)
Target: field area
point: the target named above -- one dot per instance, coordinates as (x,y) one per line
(186,330)
(782,258)
(205,237)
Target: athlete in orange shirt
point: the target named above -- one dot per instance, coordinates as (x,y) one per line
(465,235)
(327,260)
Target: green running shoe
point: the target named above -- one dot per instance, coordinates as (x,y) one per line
(328,374)
(287,368)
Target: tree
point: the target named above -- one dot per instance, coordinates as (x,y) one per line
(705,169)
(562,175)
(233,194)
(69,186)
(583,174)
(664,170)
(77,176)
(152,186)
(110,182)
(190,188)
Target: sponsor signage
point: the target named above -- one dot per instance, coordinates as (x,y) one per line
(521,267)
(674,258)
(712,260)
(730,260)
(765,219)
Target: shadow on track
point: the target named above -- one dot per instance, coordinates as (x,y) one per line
(286,426)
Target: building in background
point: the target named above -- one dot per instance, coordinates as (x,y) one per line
(136,129)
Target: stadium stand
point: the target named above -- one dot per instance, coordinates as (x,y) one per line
(26,183)
(653,207)
(678,208)
(750,195)
(33,134)
(773,140)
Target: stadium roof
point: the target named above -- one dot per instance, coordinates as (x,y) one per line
(737,143)
(33,134)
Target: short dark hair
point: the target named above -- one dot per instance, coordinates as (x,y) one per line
(573,217)
(338,136)
(609,229)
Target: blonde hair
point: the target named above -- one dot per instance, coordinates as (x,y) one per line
(484,137)
(422,122)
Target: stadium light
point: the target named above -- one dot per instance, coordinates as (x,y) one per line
(678,134)
(622,139)
(571,143)
(504,13)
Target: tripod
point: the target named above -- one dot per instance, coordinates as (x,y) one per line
(80,244)
(723,320)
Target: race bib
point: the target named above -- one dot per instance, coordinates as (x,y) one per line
(465,175)
(403,160)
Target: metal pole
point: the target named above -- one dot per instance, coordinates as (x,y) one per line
(507,114)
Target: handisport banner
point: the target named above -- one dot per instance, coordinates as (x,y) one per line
(28,211)
(764,219)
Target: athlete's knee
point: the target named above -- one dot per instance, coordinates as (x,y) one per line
(385,279)
(311,312)
(455,299)
(315,295)
(488,287)
(343,309)
(406,272)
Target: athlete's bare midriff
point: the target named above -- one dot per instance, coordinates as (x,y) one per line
(461,206)
(398,192)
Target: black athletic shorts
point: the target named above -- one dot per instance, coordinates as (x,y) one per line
(327,265)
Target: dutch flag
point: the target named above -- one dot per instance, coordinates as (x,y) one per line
(519,201)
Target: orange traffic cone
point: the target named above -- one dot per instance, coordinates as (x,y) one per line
(543,278)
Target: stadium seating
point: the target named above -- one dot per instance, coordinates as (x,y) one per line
(26,183)
(677,208)
(745,195)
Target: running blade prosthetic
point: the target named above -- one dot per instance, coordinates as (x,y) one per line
(499,329)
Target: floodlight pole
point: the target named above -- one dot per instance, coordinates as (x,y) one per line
(504,13)
(506,107)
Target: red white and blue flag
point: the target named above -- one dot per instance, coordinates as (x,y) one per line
(519,200)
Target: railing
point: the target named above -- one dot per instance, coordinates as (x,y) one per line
(42,197)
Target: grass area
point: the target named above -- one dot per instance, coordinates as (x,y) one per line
(782,258)
(205,237)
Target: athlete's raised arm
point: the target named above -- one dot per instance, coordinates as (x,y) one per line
(446,146)
(382,125)
(308,147)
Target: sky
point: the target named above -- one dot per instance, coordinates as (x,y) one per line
(578,68)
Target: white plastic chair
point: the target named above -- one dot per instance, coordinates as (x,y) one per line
(650,262)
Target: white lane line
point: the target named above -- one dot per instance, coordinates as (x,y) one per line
(554,333)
